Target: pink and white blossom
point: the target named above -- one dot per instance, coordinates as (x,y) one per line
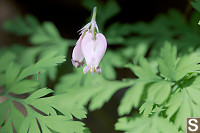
(77,55)
(93,50)
(91,45)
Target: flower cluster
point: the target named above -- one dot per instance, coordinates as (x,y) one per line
(91,45)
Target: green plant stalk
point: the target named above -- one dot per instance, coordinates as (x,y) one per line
(94,14)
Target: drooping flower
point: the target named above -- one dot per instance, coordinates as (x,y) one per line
(91,45)
(93,51)
(77,55)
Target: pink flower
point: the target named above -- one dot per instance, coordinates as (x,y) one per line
(77,55)
(93,51)
(91,45)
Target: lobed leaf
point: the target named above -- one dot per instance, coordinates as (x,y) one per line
(175,69)
(144,125)
(131,98)
(81,90)
(47,61)
(184,104)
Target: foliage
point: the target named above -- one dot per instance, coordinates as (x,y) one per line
(163,56)
(196,5)
(144,125)
(166,88)
(44,38)
(15,81)
(85,88)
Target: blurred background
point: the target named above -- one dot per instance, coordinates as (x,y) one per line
(69,16)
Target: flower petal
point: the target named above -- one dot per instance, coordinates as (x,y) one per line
(77,64)
(77,55)
(98,70)
(85,28)
(86,69)
(93,50)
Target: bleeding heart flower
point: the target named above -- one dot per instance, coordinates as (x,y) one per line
(77,55)
(93,51)
(91,45)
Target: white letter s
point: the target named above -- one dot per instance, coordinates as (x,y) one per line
(192,124)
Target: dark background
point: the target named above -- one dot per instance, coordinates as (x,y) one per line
(69,16)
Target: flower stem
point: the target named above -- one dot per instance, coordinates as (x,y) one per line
(94,14)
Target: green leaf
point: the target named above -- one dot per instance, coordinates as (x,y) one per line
(187,64)
(174,104)
(36,106)
(13,78)
(184,104)
(14,116)
(47,61)
(172,27)
(48,33)
(11,74)
(159,92)
(3,110)
(5,60)
(22,26)
(56,101)
(108,71)
(28,56)
(175,69)
(131,98)
(102,96)
(145,125)
(144,71)
(92,87)
(28,124)
(167,62)
(39,93)
(51,29)
(109,10)
(111,60)
(32,127)
(63,125)
(146,108)
(134,94)
(45,34)
(25,86)
(184,112)
(196,5)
